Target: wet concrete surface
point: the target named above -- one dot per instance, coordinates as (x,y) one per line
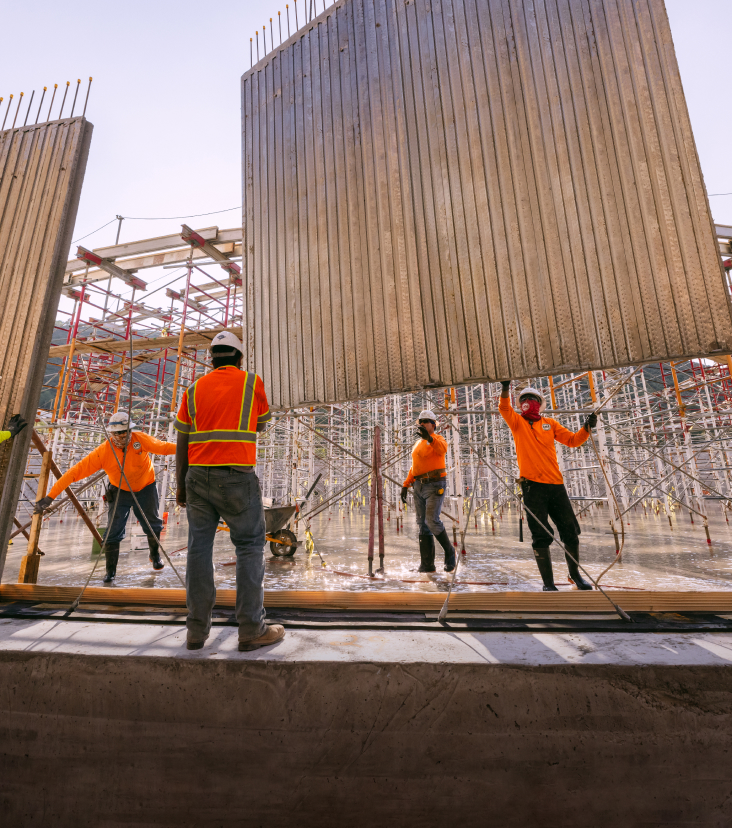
(656,555)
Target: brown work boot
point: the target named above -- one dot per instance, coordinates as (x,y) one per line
(273,634)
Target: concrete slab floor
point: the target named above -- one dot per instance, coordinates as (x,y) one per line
(368,646)
(656,555)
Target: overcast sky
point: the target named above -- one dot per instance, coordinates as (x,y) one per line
(165,98)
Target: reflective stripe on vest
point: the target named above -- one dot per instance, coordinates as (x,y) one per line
(241,435)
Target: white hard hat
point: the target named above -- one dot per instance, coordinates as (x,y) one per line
(534,392)
(227,339)
(120,422)
(427,415)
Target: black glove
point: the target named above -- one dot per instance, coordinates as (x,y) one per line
(16,425)
(42,505)
(591,421)
(505,385)
(405,489)
(424,434)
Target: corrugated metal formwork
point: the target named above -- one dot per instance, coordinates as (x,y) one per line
(41,172)
(444,191)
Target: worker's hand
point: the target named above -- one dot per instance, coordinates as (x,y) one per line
(405,490)
(591,421)
(180,496)
(16,425)
(424,434)
(42,505)
(505,385)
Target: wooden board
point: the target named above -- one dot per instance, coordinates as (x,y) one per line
(440,192)
(569,601)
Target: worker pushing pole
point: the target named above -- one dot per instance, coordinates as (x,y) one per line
(428,475)
(138,477)
(542,484)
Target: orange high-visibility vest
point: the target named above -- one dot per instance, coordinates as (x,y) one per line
(220,412)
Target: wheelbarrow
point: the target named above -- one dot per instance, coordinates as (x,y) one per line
(282,542)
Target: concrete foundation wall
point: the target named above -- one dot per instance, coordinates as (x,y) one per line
(158,741)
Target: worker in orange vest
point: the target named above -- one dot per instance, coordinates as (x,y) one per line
(428,474)
(132,450)
(541,480)
(217,424)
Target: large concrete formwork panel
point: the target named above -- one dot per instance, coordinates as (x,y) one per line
(41,172)
(446,191)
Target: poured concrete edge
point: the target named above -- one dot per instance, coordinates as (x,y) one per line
(104,639)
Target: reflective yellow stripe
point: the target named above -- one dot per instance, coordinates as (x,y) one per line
(223,437)
(184,428)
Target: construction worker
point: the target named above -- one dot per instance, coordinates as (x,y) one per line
(429,476)
(132,450)
(541,481)
(15,426)
(217,424)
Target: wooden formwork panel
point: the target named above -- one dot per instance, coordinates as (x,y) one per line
(448,191)
(570,601)
(41,173)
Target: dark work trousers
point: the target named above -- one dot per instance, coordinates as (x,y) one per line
(549,500)
(148,500)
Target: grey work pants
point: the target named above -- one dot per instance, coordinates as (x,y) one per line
(428,505)
(235,496)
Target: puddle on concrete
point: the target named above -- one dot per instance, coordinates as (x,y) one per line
(656,556)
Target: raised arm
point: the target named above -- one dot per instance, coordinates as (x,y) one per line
(505,407)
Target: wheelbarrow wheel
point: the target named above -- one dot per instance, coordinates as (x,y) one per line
(281,550)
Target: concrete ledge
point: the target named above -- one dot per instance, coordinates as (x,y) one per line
(392,729)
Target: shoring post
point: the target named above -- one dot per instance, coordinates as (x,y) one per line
(379,495)
(28,573)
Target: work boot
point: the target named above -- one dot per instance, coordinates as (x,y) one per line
(273,634)
(427,553)
(111,555)
(574,572)
(155,559)
(446,544)
(544,562)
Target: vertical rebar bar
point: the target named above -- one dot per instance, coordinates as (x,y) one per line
(30,103)
(76,93)
(53,97)
(297,25)
(20,100)
(63,102)
(279,21)
(86,100)
(271,35)
(38,114)
(10,100)
(287,9)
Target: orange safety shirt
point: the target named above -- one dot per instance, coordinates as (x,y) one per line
(138,465)
(427,457)
(535,449)
(220,412)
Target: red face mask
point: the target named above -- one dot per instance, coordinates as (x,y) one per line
(530,409)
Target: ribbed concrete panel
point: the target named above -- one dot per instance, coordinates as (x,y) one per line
(443,191)
(41,172)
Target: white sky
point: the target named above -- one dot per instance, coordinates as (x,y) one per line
(165,99)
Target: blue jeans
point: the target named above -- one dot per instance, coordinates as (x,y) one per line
(428,505)
(148,500)
(213,493)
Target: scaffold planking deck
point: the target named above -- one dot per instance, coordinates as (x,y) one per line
(570,601)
